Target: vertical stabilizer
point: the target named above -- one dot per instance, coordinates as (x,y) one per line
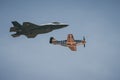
(16,24)
(52,40)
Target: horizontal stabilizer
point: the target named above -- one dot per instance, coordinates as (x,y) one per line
(15,35)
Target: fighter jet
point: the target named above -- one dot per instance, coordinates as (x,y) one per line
(70,42)
(31,30)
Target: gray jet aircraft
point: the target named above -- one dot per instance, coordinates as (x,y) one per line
(31,30)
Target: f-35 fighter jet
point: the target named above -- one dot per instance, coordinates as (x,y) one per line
(31,30)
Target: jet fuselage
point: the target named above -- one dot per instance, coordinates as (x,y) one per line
(31,30)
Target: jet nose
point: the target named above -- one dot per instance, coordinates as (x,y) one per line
(65,25)
(60,26)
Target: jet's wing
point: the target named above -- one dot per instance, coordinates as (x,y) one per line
(29,25)
(31,35)
(73,48)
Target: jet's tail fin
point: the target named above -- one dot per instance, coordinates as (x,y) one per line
(52,40)
(16,24)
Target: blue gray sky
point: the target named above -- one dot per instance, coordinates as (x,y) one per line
(35,59)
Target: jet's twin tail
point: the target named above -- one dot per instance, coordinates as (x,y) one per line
(16,26)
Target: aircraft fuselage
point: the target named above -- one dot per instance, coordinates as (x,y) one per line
(32,29)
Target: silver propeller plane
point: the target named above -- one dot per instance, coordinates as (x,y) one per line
(31,30)
(70,42)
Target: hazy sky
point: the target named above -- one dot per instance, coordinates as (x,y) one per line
(35,59)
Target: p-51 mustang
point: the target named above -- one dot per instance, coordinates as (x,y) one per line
(31,30)
(70,42)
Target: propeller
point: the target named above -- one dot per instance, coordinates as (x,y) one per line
(84,40)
